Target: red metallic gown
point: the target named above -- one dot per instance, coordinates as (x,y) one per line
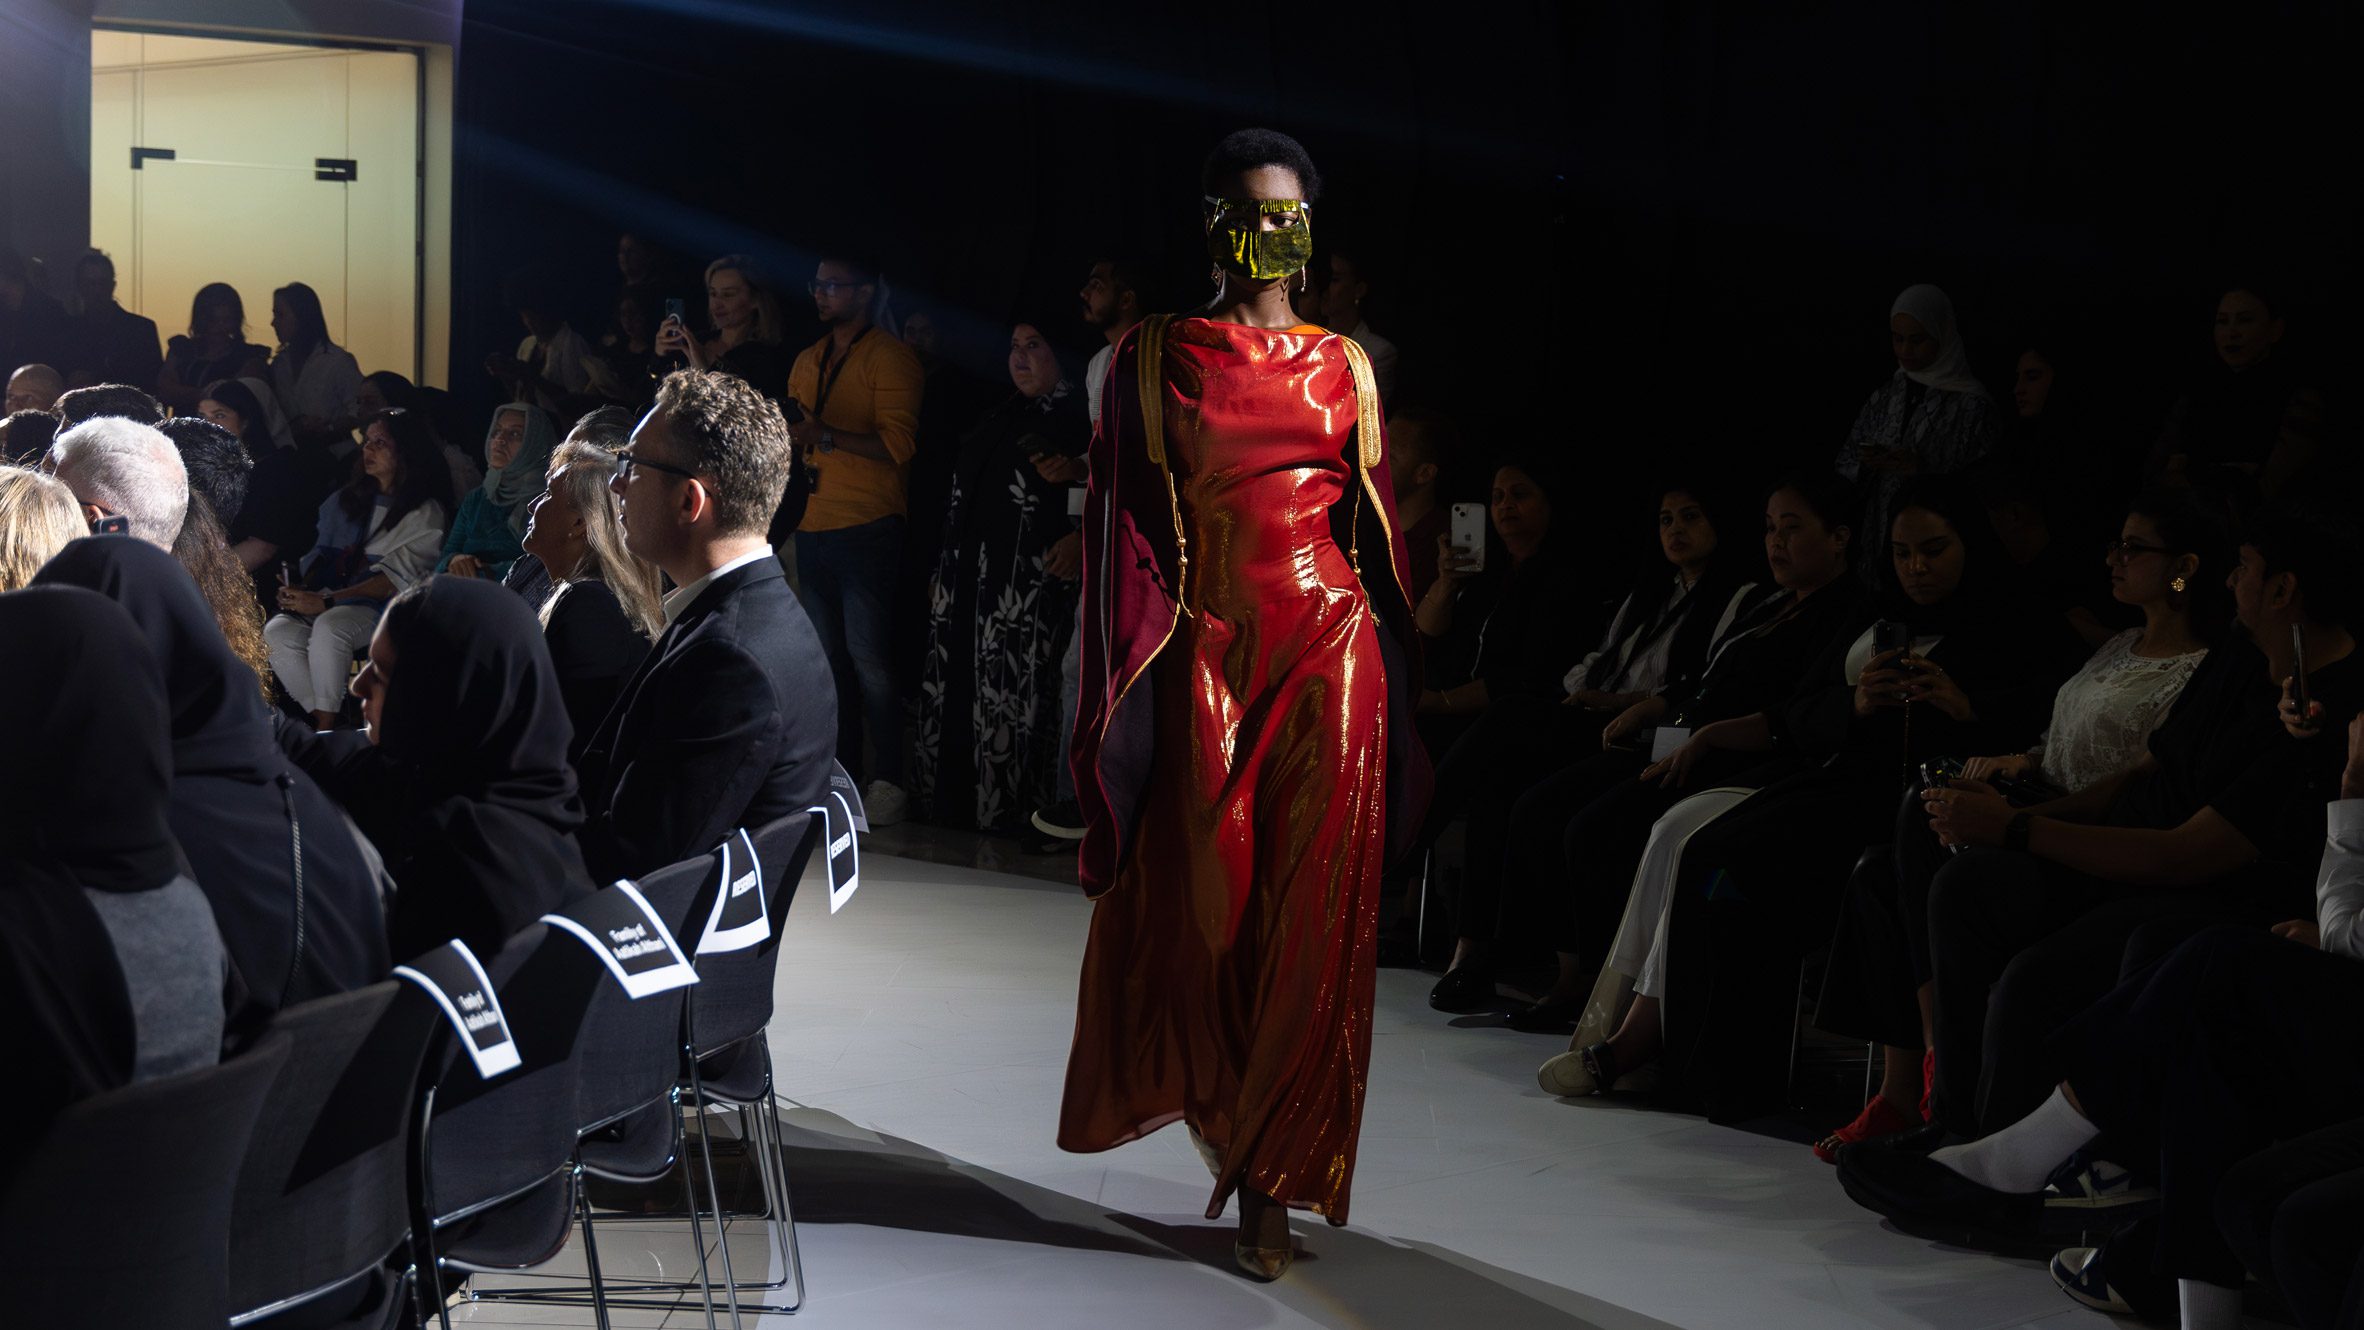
(1247,637)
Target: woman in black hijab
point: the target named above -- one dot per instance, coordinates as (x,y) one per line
(461,777)
(292,890)
(111,970)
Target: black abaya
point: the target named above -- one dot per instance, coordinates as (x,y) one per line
(467,791)
(246,818)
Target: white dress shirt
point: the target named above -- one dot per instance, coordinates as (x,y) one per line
(681,597)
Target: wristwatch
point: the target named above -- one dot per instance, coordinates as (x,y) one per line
(828,442)
(2015,831)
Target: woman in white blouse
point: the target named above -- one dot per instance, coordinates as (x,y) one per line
(379,534)
(2168,560)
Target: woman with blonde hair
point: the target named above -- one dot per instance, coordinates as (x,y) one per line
(748,324)
(38,516)
(600,619)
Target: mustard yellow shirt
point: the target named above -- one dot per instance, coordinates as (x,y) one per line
(876,392)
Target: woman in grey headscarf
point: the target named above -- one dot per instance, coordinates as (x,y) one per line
(1932,415)
(488,533)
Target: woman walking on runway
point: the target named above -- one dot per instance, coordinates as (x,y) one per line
(1243,756)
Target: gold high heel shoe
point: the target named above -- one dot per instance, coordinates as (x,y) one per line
(1263,1264)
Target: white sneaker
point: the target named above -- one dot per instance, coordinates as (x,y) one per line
(884,803)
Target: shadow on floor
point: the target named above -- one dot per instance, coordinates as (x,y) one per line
(844,1174)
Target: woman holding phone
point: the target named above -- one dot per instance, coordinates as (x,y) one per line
(747,324)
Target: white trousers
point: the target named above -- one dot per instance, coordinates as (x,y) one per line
(314,657)
(1640,948)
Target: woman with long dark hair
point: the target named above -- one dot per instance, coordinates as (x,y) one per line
(315,379)
(1243,754)
(215,348)
(275,525)
(379,534)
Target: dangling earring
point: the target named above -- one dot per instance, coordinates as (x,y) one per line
(1301,280)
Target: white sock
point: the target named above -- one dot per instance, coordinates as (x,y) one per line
(2019,1157)
(2207,1306)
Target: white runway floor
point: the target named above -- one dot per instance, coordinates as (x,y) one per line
(921,1036)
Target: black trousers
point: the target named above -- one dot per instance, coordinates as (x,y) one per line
(2018,946)
(2235,1040)
(1759,889)
(1879,955)
(2294,1213)
(1513,747)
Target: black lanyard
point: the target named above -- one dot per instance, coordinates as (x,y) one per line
(829,376)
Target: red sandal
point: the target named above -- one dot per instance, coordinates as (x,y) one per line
(1878,1118)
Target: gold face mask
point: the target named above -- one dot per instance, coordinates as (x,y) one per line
(1237,242)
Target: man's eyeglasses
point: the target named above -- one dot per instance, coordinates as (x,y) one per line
(830,286)
(2127,551)
(626,464)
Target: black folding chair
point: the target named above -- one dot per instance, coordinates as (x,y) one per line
(121,1214)
(627,1103)
(495,1177)
(725,1061)
(322,1200)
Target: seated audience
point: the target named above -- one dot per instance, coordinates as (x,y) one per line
(602,609)
(108,343)
(214,349)
(258,834)
(34,387)
(2169,562)
(1002,602)
(1932,416)
(461,779)
(38,517)
(118,468)
(1661,632)
(120,400)
(1510,630)
(111,968)
(385,389)
(729,723)
(2028,924)
(25,436)
(315,380)
(605,428)
(483,540)
(2239,1039)
(1974,674)
(378,535)
(1571,841)
(274,524)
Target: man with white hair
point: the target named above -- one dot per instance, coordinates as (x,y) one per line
(121,468)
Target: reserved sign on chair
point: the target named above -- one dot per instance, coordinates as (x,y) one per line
(628,937)
(452,976)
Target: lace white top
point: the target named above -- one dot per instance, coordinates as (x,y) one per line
(2103,716)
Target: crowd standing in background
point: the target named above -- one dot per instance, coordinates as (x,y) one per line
(2014,727)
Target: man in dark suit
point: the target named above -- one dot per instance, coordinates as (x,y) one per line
(732,719)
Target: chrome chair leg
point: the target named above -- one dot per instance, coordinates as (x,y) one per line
(590,1250)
